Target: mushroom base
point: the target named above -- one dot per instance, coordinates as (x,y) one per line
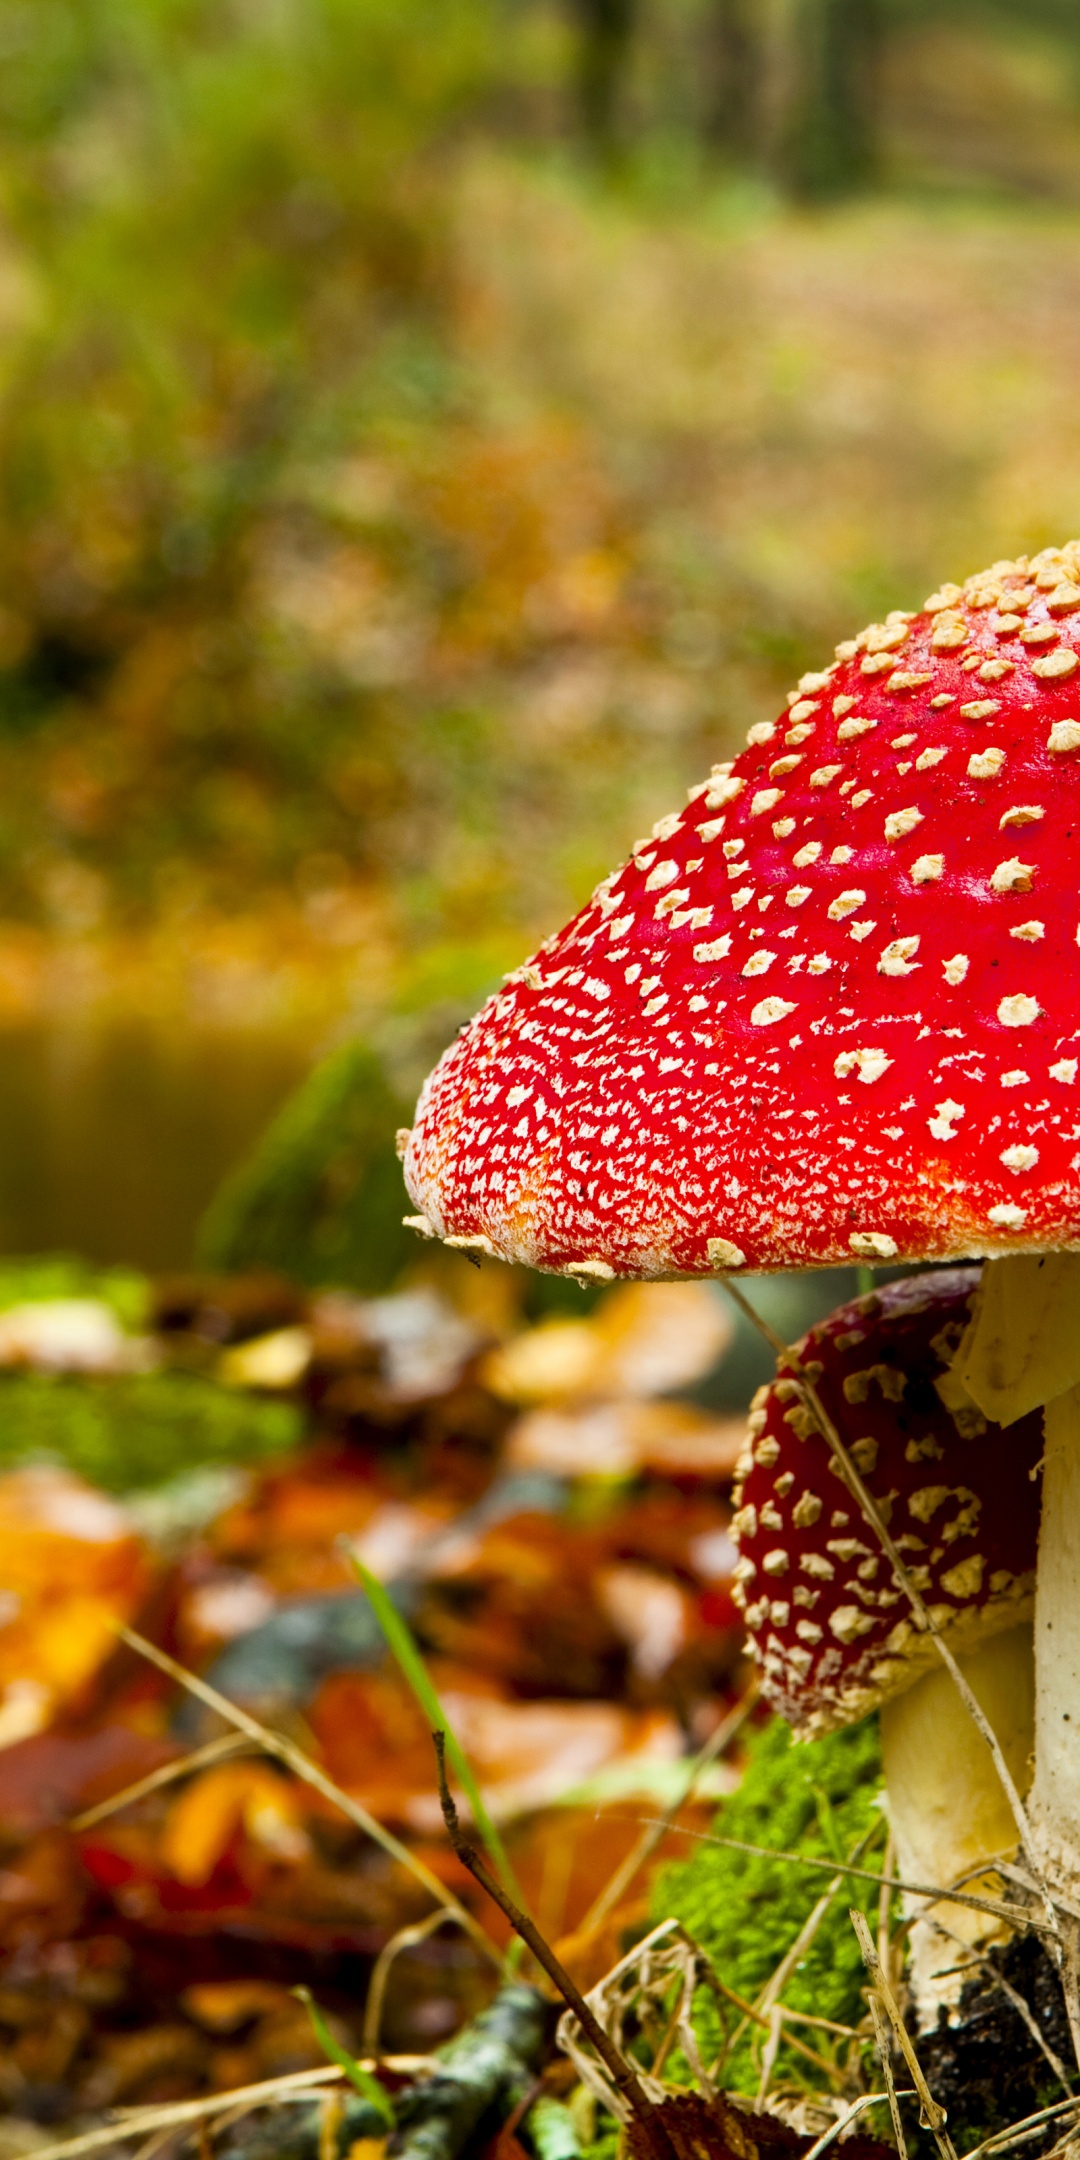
(947,1808)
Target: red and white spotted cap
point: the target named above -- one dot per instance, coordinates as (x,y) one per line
(829,1626)
(832,1007)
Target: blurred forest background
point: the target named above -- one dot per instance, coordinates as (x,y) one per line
(430,430)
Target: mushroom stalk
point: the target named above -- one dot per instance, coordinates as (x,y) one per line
(1055,1804)
(946,1805)
(1021,1350)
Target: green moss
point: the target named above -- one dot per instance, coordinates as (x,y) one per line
(321,1197)
(62,1275)
(140,1430)
(745,1911)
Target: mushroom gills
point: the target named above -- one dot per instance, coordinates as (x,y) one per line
(946,1806)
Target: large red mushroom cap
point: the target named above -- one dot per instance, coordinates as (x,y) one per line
(828,1624)
(832,1007)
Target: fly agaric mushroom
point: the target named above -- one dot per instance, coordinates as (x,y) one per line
(831,1628)
(832,1009)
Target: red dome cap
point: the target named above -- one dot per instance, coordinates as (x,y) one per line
(829,1626)
(833,1006)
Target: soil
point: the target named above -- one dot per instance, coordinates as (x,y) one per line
(988,2070)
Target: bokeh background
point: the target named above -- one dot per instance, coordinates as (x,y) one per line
(430,430)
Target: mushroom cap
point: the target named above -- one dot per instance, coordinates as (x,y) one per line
(829,1626)
(831,1008)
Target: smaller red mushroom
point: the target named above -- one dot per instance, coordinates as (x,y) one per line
(831,1627)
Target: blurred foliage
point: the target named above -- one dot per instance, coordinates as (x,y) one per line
(821,1799)
(63,1275)
(138,1430)
(321,1196)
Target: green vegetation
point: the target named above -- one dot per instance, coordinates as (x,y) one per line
(746,1911)
(321,1197)
(62,1275)
(140,1430)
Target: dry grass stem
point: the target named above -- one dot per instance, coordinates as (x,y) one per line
(843,2122)
(406,1939)
(137,2122)
(301,1765)
(617,1885)
(932,2115)
(1018,2133)
(881,2038)
(200,1759)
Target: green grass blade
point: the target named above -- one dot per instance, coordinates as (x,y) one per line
(368,2087)
(403,1645)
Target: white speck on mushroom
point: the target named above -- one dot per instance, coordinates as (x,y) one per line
(764,800)
(850,730)
(769,1011)
(848,1621)
(1018,1011)
(1021,1156)
(956,968)
(783,827)
(869,1064)
(1030,931)
(980,709)
(759,963)
(721,1253)
(717,950)
(804,856)
(1065,1070)
(926,758)
(948,1115)
(825,775)
(797,895)
(1007,1216)
(861,930)
(900,822)
(1063,736)
(663,874)
(1013,876)
(1016,1078)
(780,767)
(800,733)
(846,903)
(985,764)
(816,1564)
(775,1562)
(903,742)
(1057,665)
(819,964)
(761,732)
(864,795)
(898,957)
(927,869)
(872,1245)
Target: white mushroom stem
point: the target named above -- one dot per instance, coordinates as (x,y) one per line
(946,1805)
(1055,1800)
(1022,1350)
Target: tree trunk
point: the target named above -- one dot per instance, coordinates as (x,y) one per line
(827,146)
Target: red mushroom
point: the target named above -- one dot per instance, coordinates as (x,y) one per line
(830,1627)
(832,1009)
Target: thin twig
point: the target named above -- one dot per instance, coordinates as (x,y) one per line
(406,1938)
(1017,1914)
(166,1774)
(885,2057)
(136,2122)
(836,2129)
(999,2141)
(302,1767)
(933,2115)
(623,2076)
(646,1845)
(924,1621)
